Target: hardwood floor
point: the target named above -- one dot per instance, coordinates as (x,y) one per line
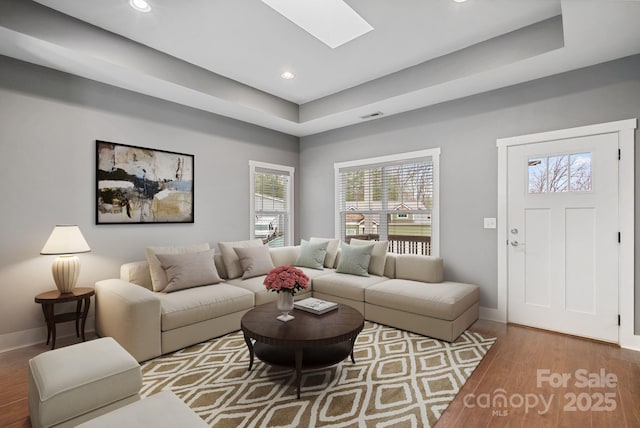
(510,371)
(14,408)
(521,357)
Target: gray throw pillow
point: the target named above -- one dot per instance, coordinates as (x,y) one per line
(255,261)
(354,260)
(188,270)
(230,258)
(158,274)
(332,250)
(312,255)
(378,255)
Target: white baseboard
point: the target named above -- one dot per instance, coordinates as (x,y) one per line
(630,341)
(631,347)
(35,336)
(491,314)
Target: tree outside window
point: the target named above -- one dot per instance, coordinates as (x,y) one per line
(388,201)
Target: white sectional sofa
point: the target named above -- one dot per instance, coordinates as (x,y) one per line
(408,292)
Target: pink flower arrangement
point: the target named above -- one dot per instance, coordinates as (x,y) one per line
(287,279)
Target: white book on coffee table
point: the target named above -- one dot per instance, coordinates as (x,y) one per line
(315,306)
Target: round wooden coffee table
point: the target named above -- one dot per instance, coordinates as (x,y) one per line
(306,342)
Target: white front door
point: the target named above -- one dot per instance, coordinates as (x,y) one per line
(563,235)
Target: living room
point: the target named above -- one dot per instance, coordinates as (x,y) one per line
(50,120)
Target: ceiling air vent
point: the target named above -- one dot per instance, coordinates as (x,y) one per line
(372,115)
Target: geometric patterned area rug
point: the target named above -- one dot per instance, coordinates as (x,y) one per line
(400,379)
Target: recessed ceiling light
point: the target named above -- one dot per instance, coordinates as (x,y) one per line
(287,75)
(140,5)
(459,1)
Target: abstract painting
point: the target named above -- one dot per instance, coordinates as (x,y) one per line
(141,185)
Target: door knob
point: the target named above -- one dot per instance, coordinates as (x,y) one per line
(514,231)
(516,243)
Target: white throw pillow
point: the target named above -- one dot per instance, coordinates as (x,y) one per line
(230,258)
(189,270)
(158,275)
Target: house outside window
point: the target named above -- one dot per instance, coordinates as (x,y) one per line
(390,198)
(271,203)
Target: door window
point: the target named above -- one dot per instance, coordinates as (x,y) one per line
(560,173)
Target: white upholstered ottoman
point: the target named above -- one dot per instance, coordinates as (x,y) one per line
(68,386)
(162,410)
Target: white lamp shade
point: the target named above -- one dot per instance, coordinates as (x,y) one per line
(65,239)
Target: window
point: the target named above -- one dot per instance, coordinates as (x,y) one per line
(561,173)
(271,203)
(393,198)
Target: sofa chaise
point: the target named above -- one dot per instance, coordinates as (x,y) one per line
(403,291)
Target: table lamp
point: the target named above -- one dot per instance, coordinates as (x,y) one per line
(64,241)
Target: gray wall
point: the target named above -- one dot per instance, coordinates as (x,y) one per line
(466,131)
(49,122)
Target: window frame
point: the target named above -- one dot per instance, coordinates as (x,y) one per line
(407,157)
(290,171)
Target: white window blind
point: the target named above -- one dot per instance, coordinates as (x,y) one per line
(271,203)
(388,199)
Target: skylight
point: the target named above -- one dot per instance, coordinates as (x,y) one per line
(333,22)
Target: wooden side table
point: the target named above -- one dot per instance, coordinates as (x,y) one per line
(48,299)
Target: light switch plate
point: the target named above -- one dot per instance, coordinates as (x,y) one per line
(489,223)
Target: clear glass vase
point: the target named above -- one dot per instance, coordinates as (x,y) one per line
(285,305)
